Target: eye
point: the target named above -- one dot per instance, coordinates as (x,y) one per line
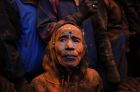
(75,39)
(62,39)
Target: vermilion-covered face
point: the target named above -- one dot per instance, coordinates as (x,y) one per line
(69,45)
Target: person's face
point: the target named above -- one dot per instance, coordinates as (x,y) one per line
(69,45)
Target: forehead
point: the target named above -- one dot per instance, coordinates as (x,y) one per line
(69,29)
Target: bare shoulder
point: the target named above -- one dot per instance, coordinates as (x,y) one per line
(92,73)
(94,77)
(38,78)
(39,83)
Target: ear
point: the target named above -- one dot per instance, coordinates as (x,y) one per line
(45,62)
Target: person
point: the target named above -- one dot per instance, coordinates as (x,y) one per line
(132,13)
(51,12)
(113,20)
(65,63)
(11,70)
(29,45)
(5,84)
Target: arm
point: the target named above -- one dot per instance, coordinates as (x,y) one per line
(94,80)
(131,10)
(47,16)
(9,36)
(47,19)
(116,24)
(10,31)
(104,48)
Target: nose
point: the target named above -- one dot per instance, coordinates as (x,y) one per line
(69,45)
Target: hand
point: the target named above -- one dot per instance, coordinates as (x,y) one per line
(88,7)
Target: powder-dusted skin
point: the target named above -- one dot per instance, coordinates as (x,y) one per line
(65,64)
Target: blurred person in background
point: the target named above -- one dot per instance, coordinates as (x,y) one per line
(11,69)
(29,45)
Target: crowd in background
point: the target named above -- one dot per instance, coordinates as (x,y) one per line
(111,33)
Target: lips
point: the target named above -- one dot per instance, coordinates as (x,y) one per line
(69,57)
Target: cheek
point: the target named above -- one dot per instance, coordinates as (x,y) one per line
(59,48)
(80,49)
(58,51)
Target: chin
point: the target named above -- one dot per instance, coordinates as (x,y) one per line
(71,65)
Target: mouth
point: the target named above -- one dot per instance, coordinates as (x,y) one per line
(69,57)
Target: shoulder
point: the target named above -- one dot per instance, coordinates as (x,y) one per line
(39,83)
(92,72)
(38,80)
(94,77)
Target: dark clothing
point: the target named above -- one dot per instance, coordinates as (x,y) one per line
(9,34)
(132,13)
(112,19)
(130,84)
(29,45)
(34,2)
(11,70)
